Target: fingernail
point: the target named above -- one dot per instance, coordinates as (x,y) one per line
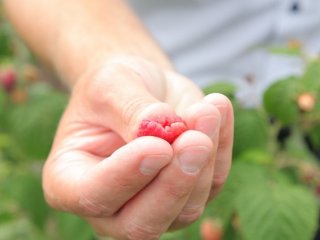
(152,164)
(207,125)
(192,159)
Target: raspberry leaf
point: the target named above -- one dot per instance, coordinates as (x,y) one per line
(277,211)
(250,131)
(3,99)
(73,227)
(241,175)
(310,79)
(225,88)
(34,123)
(20,187)
(280,100)
(20,228)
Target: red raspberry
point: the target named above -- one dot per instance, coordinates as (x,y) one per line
(8,79)
(167,128)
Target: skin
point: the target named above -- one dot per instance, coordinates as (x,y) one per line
(125,187)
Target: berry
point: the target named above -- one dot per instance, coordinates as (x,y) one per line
(306,102)
(309,174)
(8,79)
(294,44)
(167,128)
(211,229)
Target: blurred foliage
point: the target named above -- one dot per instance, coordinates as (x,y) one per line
(274,185)
(30,109)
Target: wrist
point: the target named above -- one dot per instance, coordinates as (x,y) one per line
(79,48)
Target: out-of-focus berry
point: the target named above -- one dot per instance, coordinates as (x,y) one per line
(211,229)
(8,78)
(294,44)
(306,102)
(308,173)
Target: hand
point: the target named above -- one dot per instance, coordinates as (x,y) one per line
(137,188)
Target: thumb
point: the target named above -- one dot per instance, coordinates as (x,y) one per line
(122,99)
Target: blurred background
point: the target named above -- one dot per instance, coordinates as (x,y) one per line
(273,190)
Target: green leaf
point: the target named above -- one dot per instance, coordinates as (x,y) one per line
(6,216)
(190,232)
(34,123)
(73,227)
(225,88)
(310,81)
(312,120)
(296,146)
(20,229)
(241,174)
(39,90)
(176,235)
(256,156)
(4,141)
(5,45)
(26,190)
(291,51)
(3,100)
(250,131)
(230,233)
(267,203)
(222,206)
(274,211)
(280,100)
(314,135)
(171,236)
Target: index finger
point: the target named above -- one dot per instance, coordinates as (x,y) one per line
(89,186)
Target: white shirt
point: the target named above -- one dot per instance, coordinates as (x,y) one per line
(227,40)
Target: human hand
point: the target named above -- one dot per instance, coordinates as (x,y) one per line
(137,188)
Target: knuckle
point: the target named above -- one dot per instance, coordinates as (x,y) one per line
(92,208)
(219,180)
(97,90)
(132,108)
(98,84)
(123,183)
(190,214)
(178,192)
(224,143)
(134,231)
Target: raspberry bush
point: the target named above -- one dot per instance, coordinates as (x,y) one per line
(273,189)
